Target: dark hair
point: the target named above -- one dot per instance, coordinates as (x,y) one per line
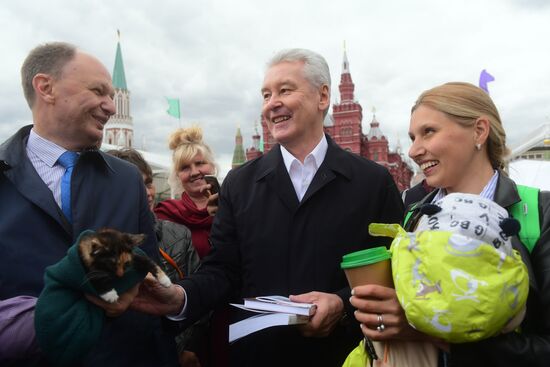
(48,58)
(133,156)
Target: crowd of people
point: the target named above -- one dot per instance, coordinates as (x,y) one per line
(279,226)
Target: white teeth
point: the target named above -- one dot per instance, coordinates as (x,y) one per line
(280,118)
(102,121)
(429,164)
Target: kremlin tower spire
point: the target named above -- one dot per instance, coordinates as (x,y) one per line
(238,154)
(119,77)
(119,130)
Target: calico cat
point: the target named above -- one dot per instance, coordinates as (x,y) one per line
(106,254)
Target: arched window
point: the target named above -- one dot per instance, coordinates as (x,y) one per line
(346,131)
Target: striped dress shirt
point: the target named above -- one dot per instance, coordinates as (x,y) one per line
(488,191)
(43,155)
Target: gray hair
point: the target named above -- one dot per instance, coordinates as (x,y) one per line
(316,69)
(48,58)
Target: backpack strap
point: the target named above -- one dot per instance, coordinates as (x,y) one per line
(526,212)
(410,212)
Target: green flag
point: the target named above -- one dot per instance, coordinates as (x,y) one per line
(173,107)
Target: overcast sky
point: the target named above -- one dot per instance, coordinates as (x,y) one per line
(212,54)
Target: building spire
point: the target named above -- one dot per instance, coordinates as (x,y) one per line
(375,131)
(238,153)
(119,130)
(346,86)
(256,150)
(119,77)
(345,63)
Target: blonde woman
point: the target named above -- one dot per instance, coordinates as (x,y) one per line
(459,143)
(192,159)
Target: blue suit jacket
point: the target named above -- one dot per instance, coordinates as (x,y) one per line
(106,192)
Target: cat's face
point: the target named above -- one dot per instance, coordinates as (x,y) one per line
(108,250)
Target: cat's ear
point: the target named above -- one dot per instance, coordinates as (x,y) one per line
(95,247)
(137,239)
(89,249)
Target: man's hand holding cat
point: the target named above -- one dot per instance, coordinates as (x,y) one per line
(155,299)
(120,306)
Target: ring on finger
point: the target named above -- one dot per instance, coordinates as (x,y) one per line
(381,325)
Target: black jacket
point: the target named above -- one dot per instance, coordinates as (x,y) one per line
(267,242)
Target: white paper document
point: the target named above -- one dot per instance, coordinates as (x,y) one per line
(262,321)
(270,311)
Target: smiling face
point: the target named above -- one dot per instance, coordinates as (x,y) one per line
(444,150)
(81,102)
(191,175)
(293,108)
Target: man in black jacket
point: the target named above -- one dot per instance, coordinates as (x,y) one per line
(286,219)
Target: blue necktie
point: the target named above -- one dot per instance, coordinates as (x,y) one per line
(67,160)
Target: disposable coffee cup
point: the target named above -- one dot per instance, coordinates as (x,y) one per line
(370,266)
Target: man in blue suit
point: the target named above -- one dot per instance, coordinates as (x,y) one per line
(71,98)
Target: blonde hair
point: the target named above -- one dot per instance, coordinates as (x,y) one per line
(186,143)
(464,103)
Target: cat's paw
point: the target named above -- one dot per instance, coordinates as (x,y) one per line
(164,280)
(111,296)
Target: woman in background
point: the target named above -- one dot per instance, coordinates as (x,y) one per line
(192,159)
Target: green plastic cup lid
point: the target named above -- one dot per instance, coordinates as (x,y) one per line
(365,257)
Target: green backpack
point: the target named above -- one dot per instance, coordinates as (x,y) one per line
(526,212)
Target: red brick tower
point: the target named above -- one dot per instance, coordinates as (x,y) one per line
(347,114)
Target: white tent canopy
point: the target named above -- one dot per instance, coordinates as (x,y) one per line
(531,173)
(538,137)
